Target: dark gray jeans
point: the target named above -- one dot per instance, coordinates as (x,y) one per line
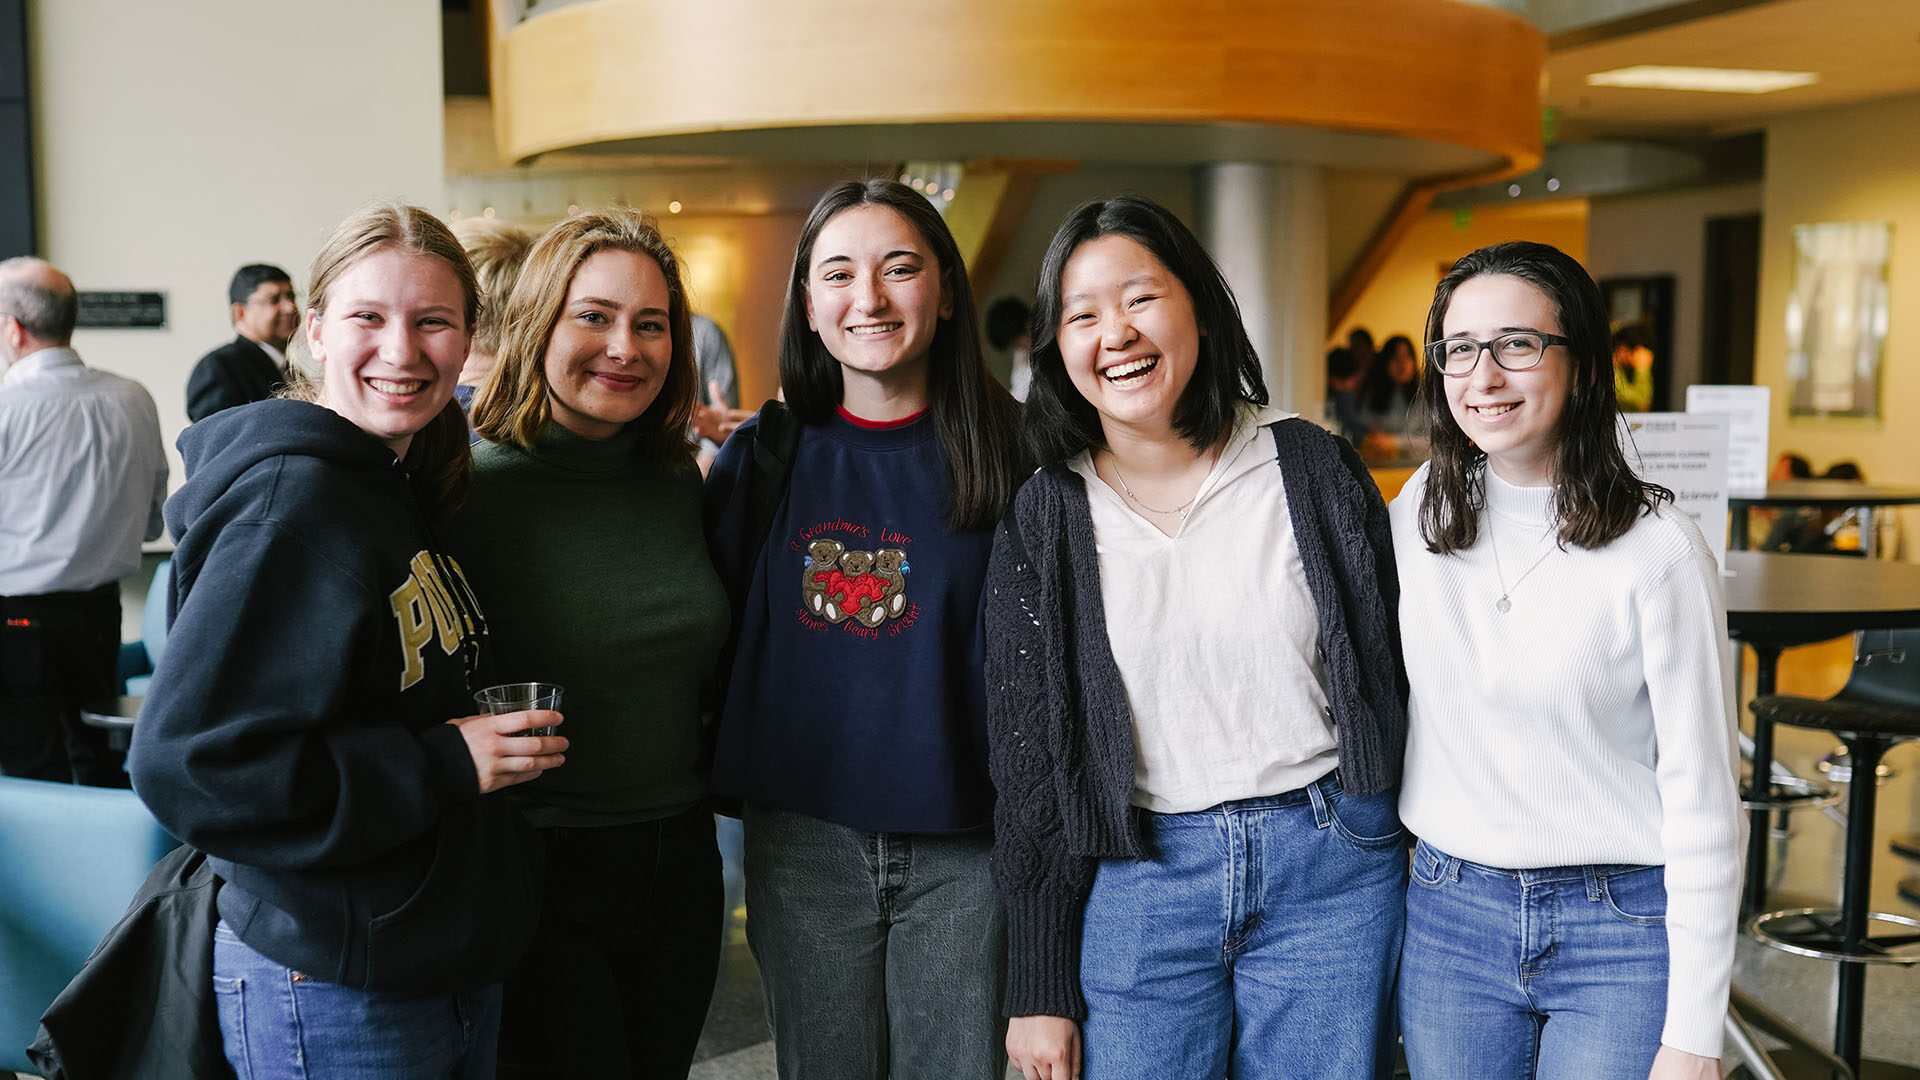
(883,955)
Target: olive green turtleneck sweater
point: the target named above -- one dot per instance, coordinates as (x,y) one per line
(593,573)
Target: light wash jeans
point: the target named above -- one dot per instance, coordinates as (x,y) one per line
(1513,974)
(278,1024)
(881,954)
(1258,939)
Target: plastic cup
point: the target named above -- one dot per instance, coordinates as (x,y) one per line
(519,697)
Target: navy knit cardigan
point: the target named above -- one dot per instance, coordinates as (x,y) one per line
(1061,736)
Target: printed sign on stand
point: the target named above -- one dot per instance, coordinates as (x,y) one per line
(1749,410)
(1686,453)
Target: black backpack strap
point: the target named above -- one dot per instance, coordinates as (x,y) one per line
(776,438)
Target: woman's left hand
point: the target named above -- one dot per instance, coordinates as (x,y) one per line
(1671,1064)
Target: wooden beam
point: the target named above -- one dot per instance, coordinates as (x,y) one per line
(603,71)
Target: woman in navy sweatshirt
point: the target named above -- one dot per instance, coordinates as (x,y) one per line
(311,727)
(852,529)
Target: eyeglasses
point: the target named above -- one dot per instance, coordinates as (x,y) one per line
(1520,351)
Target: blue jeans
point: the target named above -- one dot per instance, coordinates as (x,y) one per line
(1256,939)
(881,954)
(278,1024)
(1511,974)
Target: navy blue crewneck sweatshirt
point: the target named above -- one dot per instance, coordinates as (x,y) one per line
(856,693)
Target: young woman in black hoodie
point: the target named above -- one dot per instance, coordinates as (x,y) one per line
(311,726)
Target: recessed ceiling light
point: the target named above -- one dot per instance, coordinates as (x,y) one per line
(1717,80)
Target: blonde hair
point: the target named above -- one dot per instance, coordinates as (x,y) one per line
(513,406)
(438,453)
(498,251)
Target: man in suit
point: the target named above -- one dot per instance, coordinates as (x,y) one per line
(254,364)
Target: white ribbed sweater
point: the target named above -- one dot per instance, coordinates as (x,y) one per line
(1588,724)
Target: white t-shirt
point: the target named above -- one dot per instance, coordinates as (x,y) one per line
(1215,634)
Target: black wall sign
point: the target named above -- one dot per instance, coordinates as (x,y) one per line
(122,311)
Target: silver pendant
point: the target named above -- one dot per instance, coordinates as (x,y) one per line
(1503,605)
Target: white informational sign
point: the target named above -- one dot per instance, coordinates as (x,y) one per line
(1686,453)
(1748,410)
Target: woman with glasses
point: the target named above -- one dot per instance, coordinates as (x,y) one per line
(1569,766)
(1195,707)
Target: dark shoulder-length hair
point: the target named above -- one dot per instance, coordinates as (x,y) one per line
(1058,422)
(1377,389)
(974,416)
(1596,495)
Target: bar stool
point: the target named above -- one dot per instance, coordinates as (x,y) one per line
(1879,707)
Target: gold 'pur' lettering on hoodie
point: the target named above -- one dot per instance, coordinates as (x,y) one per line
(424,610)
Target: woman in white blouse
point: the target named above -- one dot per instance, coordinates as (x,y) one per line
(1195,708)
(1569,763)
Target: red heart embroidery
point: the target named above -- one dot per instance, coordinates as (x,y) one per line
(851,591)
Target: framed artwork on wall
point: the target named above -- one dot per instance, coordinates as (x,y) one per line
(1640,314)
(1837,318)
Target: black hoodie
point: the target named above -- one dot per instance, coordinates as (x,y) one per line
(295,729)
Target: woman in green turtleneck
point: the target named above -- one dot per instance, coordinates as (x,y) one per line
(583,536)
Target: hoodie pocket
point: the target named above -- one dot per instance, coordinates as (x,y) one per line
(474,910)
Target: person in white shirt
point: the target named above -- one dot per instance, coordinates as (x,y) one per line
(1195,706)
(1570,763)
(82,477)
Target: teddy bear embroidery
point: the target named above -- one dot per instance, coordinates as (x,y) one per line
(866,586)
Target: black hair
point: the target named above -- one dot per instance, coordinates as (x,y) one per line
(975,417)
(1378,390)
(1058,422)
(1595,492)
(1633,336)
(1359,334)
(1842,470)
(252,276)
(1341,363)
(1006,319)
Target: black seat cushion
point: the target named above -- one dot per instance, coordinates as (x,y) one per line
(1841,714)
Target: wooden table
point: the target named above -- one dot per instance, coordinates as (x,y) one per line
(1776,601)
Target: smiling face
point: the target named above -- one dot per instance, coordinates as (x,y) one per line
(875,294)
(390,343)
(1514,416)
(1128,335)
(612,346)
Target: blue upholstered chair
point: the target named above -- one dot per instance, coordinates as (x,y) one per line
(138,659)
(71,858)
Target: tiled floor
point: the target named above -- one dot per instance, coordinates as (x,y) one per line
(1805,865)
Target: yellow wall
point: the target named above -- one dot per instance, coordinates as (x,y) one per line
(1396,301)
(737,276)
(176,142)
(1850,164)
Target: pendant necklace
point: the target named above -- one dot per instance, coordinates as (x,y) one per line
(1504,605)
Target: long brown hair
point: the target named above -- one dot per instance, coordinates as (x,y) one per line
(437,456)
(1595,492)
(973,415)
(514,404)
